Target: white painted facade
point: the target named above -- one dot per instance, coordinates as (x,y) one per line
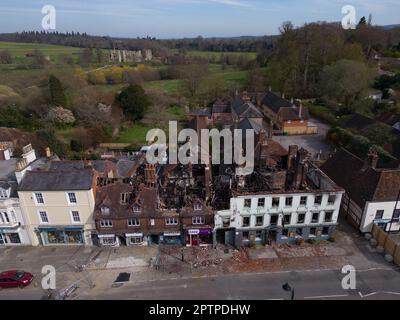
(12,224)
(371,216)
(254,212)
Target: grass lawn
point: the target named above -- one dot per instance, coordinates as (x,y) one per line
(170,87)
(217,55)
(136,135)
(66,134)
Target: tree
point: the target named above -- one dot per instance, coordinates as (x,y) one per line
(255,80)
(61,116)
(344,81)
(5,57)
(379,134)
(39,59)
(192,77)
(57,94)
(134,102)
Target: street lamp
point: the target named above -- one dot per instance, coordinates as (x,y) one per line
(288,288)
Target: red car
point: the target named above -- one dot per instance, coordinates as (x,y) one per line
(15,278)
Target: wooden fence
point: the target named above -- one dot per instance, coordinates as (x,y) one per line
(385,241)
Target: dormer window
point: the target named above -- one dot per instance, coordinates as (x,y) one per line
(197,206)
(124,197)
(137,208)
(105,210)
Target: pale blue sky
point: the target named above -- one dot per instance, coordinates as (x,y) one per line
(186,18)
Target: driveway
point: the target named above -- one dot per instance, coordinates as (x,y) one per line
(313,143)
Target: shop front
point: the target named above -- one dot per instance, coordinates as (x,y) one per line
(134,239)
(198,237)
(10,237)
(62,236)
(173,238)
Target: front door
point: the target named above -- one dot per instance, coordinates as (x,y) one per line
(272,236)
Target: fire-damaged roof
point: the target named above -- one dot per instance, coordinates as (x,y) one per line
(362,182)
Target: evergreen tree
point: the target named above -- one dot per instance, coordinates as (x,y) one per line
(134,102)
(57,94)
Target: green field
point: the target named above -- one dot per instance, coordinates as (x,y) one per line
(19,50)
(136,135)
(217,55)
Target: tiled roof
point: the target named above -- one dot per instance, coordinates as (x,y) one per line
(61,180)
(363,183)
(274,102)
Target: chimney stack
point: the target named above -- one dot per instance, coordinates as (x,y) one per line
(373,158)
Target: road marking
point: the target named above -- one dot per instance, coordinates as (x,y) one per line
(366,295)
(330,296)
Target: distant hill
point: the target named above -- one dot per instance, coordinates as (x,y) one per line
(391,26)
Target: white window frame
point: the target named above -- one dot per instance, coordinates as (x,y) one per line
(69,199)
(72,216)
(135,243)
(35,199)
(41,218)
(197,207)
(137,208)
(171,221)
(109,238)
(133,224)
(198,220)
(106,223)
(105,211)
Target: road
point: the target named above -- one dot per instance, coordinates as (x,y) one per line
(308,285)
(371,284)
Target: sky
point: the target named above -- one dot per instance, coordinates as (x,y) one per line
(186,18)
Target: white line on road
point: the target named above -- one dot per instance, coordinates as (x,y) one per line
(330,296)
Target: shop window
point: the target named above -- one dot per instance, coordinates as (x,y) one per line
(299,232)
(325,231)
(108,241)
(318,200)
(288,201)
(245,235)
(73,236)
(55,237)
(332,199)
(43,217)
(315,217)
(275,202)
(285,233)
(39,198)
(328,216)
(198,220)
(259,234)
(274,220)
(133,222)
(106,223)
(261,202)
(301,218)
(71,198)
(259,221)
(135,240)
(287,218)
(171,221)
(247,203)
(303,201)
(246,221)
(379,214)
(14,238)
(396,215)
(75,216)
(313,231)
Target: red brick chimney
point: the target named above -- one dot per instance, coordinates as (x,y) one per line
(150,174)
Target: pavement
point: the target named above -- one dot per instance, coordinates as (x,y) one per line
(313,143)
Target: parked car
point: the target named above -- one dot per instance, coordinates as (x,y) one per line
(15,278)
